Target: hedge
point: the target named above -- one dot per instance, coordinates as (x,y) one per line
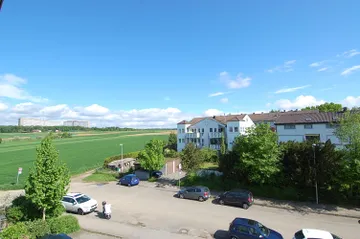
(39,228)
(118,157)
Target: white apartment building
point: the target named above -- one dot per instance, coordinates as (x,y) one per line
(207,131)
(38,122)
(81,123)
(307,126)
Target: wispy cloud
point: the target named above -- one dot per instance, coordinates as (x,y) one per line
(350,53)
(237,83)
(323,69)
(350,70)
(286,67)
(224,100)
(218,94)
(287,90)
(317,64)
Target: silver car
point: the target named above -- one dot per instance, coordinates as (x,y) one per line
(200,193)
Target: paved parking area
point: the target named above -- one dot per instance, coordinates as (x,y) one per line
(148,212)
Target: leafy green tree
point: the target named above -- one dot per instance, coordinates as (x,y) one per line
(48,180)
(172,141)
(326,107)
(222,145)
(259,154)
(191,158)
(209,155)
(1,140)
(152,157)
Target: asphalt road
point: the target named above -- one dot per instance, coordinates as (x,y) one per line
(148,208)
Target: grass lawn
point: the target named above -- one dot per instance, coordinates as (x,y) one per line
(102,176)
(210,166)
(80,153)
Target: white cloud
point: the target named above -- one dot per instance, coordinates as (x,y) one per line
(217,94)
(286,67)
(224,100)
(323,69)
(10,87)
(237,83)
(351,101)
(301,101)
(350,70)
(317,64)
(350,53)
(26,108)
(287,90)
(3,106)
(212,112)
(95,109)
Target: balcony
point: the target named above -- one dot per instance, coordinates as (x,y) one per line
(215,135)
(192,135)
(215,146)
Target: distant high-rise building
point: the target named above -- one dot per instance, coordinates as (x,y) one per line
(81,123)
(38,122)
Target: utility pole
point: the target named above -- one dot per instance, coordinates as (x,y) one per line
(122,162)
(316,186)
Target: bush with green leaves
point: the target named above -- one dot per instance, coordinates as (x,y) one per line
(118,157)
(64,224)
(16,231)
(170,153)
(38,228)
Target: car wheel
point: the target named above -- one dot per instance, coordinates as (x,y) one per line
(129,184)
(181,196)
(233,238)
(245,206)
(80,211)
(201,199)
(221,202)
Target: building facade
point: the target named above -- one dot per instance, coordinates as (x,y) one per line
(308,126)
(208,131)
(81,123)
(38,122)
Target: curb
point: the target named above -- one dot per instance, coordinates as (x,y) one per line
(100,233)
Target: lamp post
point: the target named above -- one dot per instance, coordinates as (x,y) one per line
(316,186)
(122,162)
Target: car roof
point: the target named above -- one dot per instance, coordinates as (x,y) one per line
(244,221)
(316,233)
(131,175)
(73,194)
(239,191)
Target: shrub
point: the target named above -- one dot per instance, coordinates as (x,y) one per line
(14,214)
(16,231)
(170,153)
(118,157)
(152,179)
(38,228)
(22,209)
(64,224)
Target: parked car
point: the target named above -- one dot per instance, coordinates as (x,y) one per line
(78,202)
(243,228)
(196,192)
(314,233)
(56,236)
(156,174)
(129,180)
(243,198)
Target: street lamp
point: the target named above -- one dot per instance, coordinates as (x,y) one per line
(316,186)
(122,162)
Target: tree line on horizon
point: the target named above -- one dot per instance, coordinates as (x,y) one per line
(326,107)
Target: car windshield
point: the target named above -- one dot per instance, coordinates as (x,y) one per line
(82,199)
(335,237)
(299,235)
(264,230)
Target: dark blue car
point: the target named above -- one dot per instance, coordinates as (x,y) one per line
(243,228)
(129,180)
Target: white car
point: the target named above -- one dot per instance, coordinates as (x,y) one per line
(79,203)
(314,233)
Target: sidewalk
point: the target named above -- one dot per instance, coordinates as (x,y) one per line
(110,228)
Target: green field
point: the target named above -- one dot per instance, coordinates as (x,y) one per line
(81,153)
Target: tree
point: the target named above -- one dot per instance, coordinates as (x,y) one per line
(151,157)
(1,140)
(259,154)
(326,107)
(48,180)
(222,145)
(172,141)
(191,158)
(209,155)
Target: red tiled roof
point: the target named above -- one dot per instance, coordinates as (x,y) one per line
(309,118)
(274,115)
(221,119)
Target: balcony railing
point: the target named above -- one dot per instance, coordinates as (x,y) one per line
(215,146)
(193,135)
(215,135)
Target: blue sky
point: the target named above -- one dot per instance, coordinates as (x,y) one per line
(120,62)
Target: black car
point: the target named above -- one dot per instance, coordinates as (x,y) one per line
(156,174)
(244,228)
(243,198)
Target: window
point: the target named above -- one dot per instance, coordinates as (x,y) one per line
(198,140)
(230,129)
(179,131)
(190,190)
(183,140)
(183,130)
(179,140)
(236,129)
(215,130)
(198,190)
(299,235)
(202,130)
(210,130)
(220,130)
(82,199)
(69,200)
(253,232)
(199,130)
(202,142)
(289,126)
(242,229)
(308,126)
(331,126)
(313,138)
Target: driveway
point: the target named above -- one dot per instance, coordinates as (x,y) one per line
(148,212)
